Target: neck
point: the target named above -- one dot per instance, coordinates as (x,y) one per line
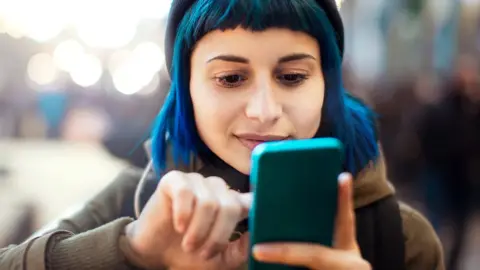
(235,179)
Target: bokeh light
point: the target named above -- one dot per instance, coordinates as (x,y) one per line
(131,77)
(153,9)
(151,87)
(150,55)
(134,72)
(87,71)
(67,54)
(38,20)
(42,69)
(44,20)
(96,30)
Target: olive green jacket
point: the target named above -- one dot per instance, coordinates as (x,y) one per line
(94,237)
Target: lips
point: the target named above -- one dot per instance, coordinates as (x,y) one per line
(251,141)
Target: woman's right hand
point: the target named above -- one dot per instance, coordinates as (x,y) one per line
(187,224)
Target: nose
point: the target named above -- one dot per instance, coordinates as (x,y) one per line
(263,106)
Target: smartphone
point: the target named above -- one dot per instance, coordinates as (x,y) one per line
(295,190)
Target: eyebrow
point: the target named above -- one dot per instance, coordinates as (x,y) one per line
(295,57)
(243,60)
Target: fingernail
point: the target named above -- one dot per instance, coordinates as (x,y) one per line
(180,228)
(343,178)
(260,251)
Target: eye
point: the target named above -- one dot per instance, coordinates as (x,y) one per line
(231,81)
(292,79)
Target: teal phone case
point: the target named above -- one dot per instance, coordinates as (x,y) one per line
(295,193)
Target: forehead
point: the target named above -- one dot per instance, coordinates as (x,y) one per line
(274,42)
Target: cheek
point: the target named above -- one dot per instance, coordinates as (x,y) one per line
(306,113)
(213,112)
(204,107)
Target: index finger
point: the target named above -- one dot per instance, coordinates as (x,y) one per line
(245,200)
(178,188)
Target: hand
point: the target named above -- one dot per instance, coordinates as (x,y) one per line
(187,224)
(344,256)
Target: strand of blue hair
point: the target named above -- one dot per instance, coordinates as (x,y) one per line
(343,116)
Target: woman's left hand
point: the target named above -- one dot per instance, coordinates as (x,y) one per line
(345,254)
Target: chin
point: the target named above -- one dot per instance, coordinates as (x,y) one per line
(244,169)
(240,162)
(237,156)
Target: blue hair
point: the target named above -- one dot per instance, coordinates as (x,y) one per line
(343,116)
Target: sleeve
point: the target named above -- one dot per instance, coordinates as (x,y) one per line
(423,250)
(90,239)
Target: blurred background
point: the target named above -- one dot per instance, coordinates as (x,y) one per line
(81,82)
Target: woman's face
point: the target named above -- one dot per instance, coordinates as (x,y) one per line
(251,87)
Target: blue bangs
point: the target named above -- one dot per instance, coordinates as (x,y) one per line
(258,15)
(343,117)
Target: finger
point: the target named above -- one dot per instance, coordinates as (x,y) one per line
(205,211)
(345,236)
(236,253)
(309,255)
(246,200)
(229,213)
(177,186)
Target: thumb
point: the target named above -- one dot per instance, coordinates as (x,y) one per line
(345,235)
(237,252)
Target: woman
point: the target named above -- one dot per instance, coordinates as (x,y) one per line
(243,72)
